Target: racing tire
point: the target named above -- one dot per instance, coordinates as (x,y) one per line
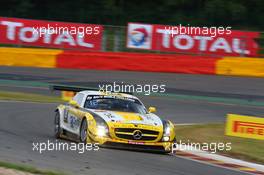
(57,128)
(83,131)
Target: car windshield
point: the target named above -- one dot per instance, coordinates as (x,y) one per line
(114,104)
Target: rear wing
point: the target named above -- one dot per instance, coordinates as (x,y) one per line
(67,91)
(71,88)
(78,89)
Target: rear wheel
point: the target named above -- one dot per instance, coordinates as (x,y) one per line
(83,131)
(57,125)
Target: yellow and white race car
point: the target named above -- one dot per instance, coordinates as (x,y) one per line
(115,120)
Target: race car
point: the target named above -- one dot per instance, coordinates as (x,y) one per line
(116,120)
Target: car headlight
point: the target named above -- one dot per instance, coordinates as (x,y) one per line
(166,131)
(101,126)
(102,130)
(166,138)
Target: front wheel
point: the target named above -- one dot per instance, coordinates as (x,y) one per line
(83,131)
(57,125)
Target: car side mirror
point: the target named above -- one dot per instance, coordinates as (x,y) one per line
(152,109)
(74,103)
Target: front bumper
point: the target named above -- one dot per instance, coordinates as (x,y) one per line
(133,145)
(137,147)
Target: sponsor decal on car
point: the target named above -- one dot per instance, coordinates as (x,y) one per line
(135,143)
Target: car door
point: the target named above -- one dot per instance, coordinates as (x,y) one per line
(73,115)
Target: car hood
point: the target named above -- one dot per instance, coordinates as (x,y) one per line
(128,117)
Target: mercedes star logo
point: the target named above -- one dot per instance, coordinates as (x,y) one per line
(137,134)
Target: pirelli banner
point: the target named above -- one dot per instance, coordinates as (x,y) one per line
(198,40)
(245,126)
(50,34)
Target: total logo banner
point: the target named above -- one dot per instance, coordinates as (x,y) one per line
(50,34)
(159,38)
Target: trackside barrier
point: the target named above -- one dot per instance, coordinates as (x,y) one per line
(28,57)
(245,126)
(148,62)
(137,62)
(67,95)
(241,66)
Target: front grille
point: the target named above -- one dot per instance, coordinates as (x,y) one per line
(131,130)
(127,133)
(130,137)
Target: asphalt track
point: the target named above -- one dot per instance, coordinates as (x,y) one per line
(24,123)
(177,109)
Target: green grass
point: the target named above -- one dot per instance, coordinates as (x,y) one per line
(242,148)
(28,169)
(18,96)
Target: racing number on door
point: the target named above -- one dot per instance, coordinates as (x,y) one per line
(66,115)
(69,118)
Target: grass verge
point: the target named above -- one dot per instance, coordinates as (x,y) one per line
(242,148)
(28,169)
(18,96)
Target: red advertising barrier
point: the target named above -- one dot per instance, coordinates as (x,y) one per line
(196,40)
(53,58)
(136,62)
(50,34)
